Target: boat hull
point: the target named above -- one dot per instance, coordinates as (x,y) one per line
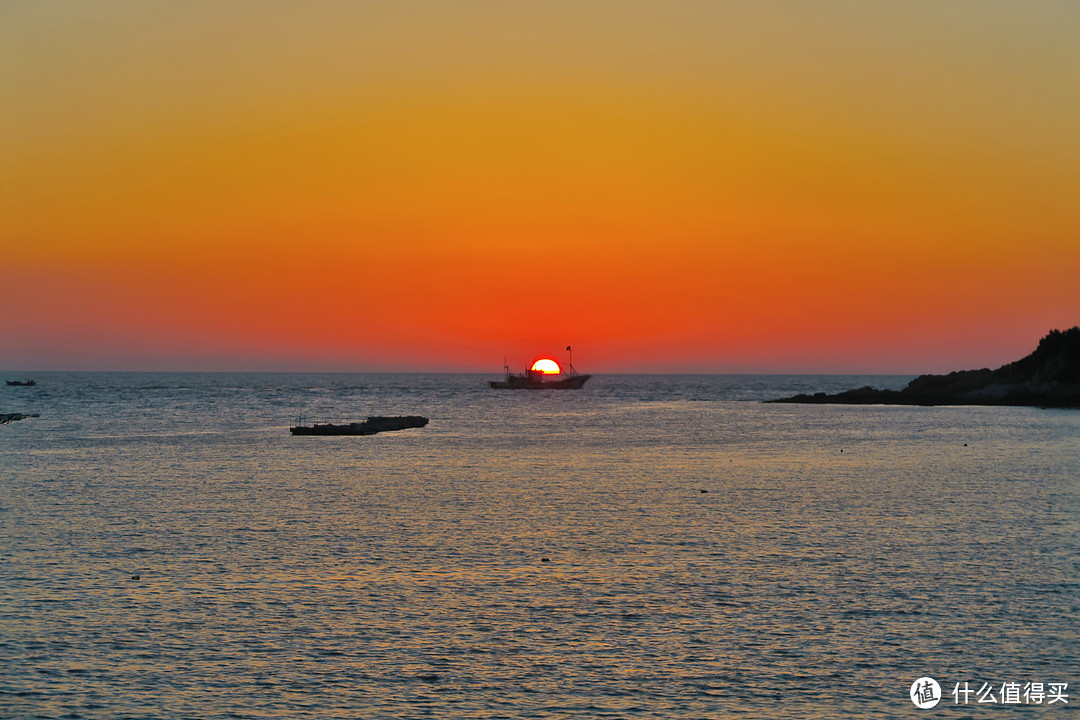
(519,382)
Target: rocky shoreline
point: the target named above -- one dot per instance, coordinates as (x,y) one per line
(1049,377)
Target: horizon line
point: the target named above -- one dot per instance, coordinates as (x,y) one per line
(442,372)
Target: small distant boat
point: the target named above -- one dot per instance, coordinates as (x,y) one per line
(24,383)
(372,425)
(535,378)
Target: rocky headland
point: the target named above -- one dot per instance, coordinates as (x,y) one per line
(1048,377)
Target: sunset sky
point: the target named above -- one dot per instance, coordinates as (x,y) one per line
(888,186)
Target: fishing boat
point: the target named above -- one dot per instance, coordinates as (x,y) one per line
(24,383)
(544,374)
(531,380)
(372,425)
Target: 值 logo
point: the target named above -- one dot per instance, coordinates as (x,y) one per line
(925,693)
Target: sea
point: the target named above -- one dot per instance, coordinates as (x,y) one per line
(650,546)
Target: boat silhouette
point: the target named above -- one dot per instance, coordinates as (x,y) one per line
(535,380)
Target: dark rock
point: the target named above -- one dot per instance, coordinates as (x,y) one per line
(6,418)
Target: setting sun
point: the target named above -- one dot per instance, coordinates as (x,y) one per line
(546,366)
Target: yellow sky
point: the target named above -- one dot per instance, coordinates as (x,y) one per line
(679,185)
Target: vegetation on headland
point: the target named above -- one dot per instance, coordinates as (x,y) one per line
(1048,377)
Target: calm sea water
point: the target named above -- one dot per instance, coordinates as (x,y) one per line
(708,556)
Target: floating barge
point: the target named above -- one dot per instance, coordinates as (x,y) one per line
(370,426)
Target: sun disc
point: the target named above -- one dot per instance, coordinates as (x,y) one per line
(546,366)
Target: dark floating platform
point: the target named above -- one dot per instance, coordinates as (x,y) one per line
(6,418)
(370,426)
(22,383)
(1049,378)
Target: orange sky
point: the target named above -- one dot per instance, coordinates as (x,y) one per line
(676,186)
